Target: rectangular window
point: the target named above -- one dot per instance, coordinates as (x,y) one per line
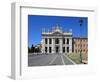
(46,41)
(63,49)
(67,41)
(76,51)
(50,41)
(49,49)
(68,49)
(63,40)
(56,41)
(76,45)
(46,49)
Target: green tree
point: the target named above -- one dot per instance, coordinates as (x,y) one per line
(32,48)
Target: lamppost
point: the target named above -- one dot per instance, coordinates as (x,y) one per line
(81,21)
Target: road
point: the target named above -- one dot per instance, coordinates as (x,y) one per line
(50,59)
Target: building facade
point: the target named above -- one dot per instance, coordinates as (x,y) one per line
(80,44)
(56,41)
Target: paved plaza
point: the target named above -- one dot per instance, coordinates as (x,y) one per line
(48,59)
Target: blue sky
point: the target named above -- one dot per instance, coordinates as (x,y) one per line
(37,22)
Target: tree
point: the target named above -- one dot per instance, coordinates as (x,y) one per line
(32,48)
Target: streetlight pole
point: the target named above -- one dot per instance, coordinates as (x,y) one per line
(81,21)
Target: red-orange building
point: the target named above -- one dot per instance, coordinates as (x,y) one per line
(80,44)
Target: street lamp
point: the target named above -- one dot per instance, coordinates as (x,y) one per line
(81,21)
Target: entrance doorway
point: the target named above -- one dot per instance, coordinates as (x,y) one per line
(57,49)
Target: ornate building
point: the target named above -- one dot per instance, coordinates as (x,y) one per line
(56,41)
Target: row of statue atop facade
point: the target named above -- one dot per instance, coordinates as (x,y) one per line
(56,29)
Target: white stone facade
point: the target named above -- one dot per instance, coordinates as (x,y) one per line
(56,41)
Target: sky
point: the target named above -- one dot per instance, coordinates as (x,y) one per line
(37,22)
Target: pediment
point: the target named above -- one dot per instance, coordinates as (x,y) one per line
(57,33)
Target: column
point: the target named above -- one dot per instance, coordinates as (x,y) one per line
(70,45)
(43,45)
(60,45)
(48,45)
(66,45)
(53,45)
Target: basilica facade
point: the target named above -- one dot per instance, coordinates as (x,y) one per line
(56,41)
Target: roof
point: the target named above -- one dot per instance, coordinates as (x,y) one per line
(57,31)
